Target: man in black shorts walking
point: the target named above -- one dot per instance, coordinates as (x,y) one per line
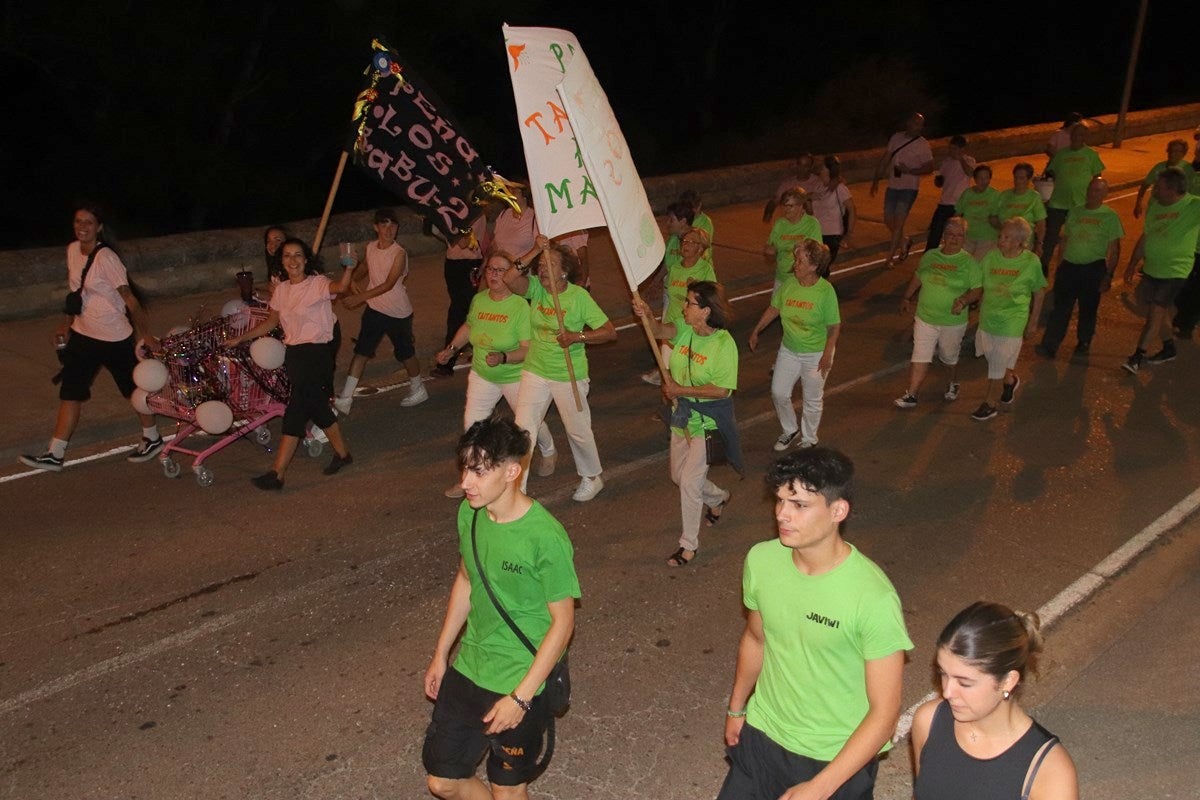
(490,701)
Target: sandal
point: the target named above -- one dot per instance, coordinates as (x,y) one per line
(710,515)
(676,559)
(906,249)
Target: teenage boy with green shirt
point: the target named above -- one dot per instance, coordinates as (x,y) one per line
(1168,247)
(489,702)
(1091,248)
(1073,168)
(817,686)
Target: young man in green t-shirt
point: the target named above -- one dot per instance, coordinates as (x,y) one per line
(490,700)
(816,690)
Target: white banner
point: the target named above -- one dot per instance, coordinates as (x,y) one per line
(562,192)
(615,180)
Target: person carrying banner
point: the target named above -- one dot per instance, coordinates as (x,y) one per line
(704,366)
(544,374)
(388,311)
(497,328)
(513,555)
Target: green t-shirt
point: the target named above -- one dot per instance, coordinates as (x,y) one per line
(713,359)
(1088,232)
(497,326)
(678,278)
(1184,166)
(820,631)
(545,356)
(704,222)
(529,563)
(943,279)
(1073,171)
(976,208)
(1171,237)
(783,238)
(806,312)
(1008,287)
(672,256)
(1027,205)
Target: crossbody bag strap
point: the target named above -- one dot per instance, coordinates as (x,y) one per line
(896,152)
(492,595)
(1036,765)
(87,266)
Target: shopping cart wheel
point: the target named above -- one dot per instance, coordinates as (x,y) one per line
(170,467)
(313,447)
(204,476)
(262,435)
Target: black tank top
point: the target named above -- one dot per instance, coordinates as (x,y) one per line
(948,773)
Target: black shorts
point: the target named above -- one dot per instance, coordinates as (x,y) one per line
(455,741)
(760,769)
(83,359)
(1159,291)
(375,325)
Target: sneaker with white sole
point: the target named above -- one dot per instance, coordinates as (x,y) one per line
(785,441)
(146,450)
(1167,353)
(342,405)
(416,396)
(588,488)
(547,464)
(46,461)
(807,444)
(653,377)
(984,412)
(951,391)
(905,400)
(1009,390)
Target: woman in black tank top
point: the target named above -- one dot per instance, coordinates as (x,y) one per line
(977,741)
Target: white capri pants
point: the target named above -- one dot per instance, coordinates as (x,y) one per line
(945,339)
(482,398)
(689,471)
(789,368)
(1001,352)
(533,401)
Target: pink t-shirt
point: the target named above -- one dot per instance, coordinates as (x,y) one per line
(394,302)
(828,207)
(573,240)
(305,310)
(911,156)
(515,235)
(103,314)
(956,179)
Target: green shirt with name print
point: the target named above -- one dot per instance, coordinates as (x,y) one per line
(1088,232)
(943,280)
(497,326)
(806,312)
(784,236)
(1183,166)
(1027,205)
(699,361)
(1073,171)
(1171,237)
(819,633)
(1008,287)
(977,208)
(678,278)
(545,356)
(529,563)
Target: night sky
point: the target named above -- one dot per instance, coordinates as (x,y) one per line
(177,118)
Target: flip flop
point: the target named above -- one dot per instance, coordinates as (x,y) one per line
(676,559)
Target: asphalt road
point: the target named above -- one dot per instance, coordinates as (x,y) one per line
(164,640)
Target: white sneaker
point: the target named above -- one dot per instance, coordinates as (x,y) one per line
(416,395)
(342,405)
(951,391)
(319,435)
(588,488)
(785,441)
(454,491)
(653,377)
(546,466)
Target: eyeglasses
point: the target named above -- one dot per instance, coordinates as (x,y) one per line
(496,270)
(691,302)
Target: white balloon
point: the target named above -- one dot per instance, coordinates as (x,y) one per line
(151,375)
(138,401)
(235,306)
(214,416)
(268,352)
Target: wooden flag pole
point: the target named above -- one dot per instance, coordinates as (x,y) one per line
(658,356)
(337,180)
(561,327)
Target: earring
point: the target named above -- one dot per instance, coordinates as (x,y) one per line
(1007,694)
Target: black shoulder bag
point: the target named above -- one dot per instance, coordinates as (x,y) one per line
(73,302)
(556,696)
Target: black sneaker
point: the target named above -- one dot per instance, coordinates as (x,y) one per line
(1010,389)
(146,450)
(442,371)
(905,400)
(268,482)
(1163,356)
(984,412)
(1133,363)
(337,463)
(46,461)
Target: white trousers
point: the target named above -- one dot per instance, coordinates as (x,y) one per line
(533,401)
(482,398)
(689,471)
(789,368)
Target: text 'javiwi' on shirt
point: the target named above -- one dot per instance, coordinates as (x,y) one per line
(1088,232)
(545,357)
(806,313)
(1008,288)
(1171,234)
(784,237)
(497,326)
(945,278)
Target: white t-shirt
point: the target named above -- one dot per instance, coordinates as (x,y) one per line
(513,235)
(103,314)
(305,311)
(956,180)
(912,156)
(394,302)
(828,207)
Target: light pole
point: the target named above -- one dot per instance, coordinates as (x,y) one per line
(1133,57)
